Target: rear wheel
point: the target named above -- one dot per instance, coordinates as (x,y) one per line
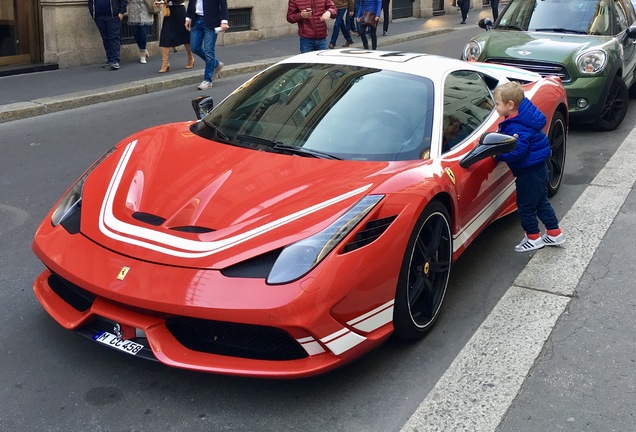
(615,107)
(556,164)
(424,274)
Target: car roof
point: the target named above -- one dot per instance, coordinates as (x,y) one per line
(434,67)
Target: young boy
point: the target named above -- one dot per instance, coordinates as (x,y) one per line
(527,163)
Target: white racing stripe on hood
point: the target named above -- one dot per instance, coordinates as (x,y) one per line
(176,246)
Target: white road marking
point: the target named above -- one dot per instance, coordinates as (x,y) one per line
(480,385)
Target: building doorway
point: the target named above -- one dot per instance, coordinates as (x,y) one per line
(20,30)
(402,8)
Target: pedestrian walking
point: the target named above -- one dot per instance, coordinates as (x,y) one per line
(108,15)
(528,164)
(464,7)
(385,15)
(204,20)
(352,23)
(174,33)
(374,6)
(311,17)
(345,8)
(139,21)
(494,5)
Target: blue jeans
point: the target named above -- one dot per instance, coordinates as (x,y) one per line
(307,45)
(340,26)
(140,33)
(110,31)
(532,200)
(203,41)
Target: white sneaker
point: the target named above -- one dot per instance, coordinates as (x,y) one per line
(553,240)
(527,245)
(218,68)
(142,59)
(205,85)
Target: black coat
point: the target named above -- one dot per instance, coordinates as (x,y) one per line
(214,11)
(116,7)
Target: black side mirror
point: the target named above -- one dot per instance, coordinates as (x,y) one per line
(490,144)
(485,23)
(631,32)
(202,105)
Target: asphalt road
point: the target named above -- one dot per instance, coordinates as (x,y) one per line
(57,381)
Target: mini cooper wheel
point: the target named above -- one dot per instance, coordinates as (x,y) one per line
(557,135)
(424,274)
(615,106)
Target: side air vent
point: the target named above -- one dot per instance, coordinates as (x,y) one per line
(148,218)
(372,230)
(72,294)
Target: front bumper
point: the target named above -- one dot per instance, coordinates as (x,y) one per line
(593,90)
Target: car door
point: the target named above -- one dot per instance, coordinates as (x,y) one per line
(625,16)
(483,188)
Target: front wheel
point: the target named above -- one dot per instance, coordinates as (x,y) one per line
(615,106)
(424,273)
(557,135)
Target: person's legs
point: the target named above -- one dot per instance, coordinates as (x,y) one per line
(100,22)
(385,12)
(528,195)
(464,7)
(494,4)
(209,44)
(363,35)
(374,37)
(140,33)
(344,29)
(113,28)
(337,27)
(197,30)
(544,208)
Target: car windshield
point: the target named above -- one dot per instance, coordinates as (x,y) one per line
(560,16)
(328,111)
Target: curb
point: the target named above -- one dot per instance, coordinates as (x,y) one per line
(37,107)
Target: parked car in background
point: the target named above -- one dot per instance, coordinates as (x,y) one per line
(309,216)
(589,44)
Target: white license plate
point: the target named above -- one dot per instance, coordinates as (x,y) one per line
(113,341)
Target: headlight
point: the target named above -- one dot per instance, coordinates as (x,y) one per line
(72,201)
(472,51)
(300,257)
(592,62)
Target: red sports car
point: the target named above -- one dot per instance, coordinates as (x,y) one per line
(301,222)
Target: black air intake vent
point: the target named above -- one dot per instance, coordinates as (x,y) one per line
(371,231)
(75,296)
(193,229)
(235,340)
(148,218)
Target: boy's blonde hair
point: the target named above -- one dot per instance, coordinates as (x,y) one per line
(511,91)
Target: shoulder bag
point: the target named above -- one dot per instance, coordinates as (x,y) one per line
(153,7)
(368,19)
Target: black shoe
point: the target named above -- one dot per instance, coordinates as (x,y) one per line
(383,33)
(463,22)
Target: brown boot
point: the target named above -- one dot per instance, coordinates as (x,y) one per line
(190,64)
(165,66)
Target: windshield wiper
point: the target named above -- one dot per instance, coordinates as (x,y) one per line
(304,152)
(508,27)
(217,131)
(561,30)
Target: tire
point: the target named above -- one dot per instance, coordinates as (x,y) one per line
(557,135)
(615,106)
(424,273)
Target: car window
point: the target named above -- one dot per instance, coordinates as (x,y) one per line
(561,16)
(622,22)
(467,104)
(628,7)
(351,112)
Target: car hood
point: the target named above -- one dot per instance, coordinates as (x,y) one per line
(553,47)
(171,197)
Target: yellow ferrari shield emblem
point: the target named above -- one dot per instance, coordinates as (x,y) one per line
(122,273)
(450,175)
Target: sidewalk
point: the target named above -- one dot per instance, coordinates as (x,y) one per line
(33,94)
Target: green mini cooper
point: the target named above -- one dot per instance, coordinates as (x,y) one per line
(589,44)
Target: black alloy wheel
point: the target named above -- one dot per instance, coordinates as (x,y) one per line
(424,274)
(557,135)
(615,107)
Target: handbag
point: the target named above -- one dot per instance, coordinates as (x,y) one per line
(368,19)
(153,7)
(166,11)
